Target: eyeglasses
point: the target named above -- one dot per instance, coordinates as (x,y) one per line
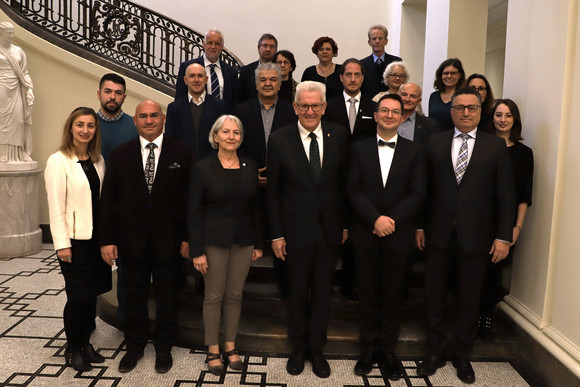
(304,108)
(283,62)
(395,112)
(450,73)
(400,76)
(470,108)
(479,89)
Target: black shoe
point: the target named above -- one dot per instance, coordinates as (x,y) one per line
(91,355)
(392,367)
(216,370)
(163,362)
(129,361)
(76,360)
(464,371)
(364,365)
(430,366)
(295,364)
(486,330)
(319,365)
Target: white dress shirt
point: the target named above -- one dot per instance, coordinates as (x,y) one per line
(386,154)
(306,140)
(145,151)
(218,71)
(198,102)
(456,145)
(347,103)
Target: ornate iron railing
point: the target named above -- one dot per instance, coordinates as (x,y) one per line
(145,43)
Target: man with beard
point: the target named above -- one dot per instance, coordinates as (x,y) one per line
(116,127)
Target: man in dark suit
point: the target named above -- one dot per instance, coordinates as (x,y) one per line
(223,78)
(305,168)
(189,119)
(142,220)
(386,188)
(376,63)
(267,47)
(469,215)
(415,127)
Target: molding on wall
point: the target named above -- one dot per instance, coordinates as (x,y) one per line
(563,342)
(523,310)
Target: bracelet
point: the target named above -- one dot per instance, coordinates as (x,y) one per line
(518,227)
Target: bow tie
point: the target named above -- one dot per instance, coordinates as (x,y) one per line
(390,144)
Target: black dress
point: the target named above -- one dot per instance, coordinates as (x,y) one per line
(332,81)
(440,111)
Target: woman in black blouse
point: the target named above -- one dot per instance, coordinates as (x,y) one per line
(448,78)
(507,124)
(285,60)
(479,83)
(327,72)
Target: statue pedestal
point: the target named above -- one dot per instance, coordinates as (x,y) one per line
(19,209)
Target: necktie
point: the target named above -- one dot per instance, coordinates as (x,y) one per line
(215,83)
(390,144)
(315,156)
(352,114)
(379,62)
(150,166)
(461,165)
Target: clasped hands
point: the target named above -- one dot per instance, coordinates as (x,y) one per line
(384,226)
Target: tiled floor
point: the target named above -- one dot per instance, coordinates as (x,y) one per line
(32,343)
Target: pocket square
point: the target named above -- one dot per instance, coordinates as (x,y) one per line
(367,118)
(174,166)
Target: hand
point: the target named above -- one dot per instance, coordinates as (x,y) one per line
(279,248)
(344,236)
(499,250)
(184,250)
(29,97)
(420,239)
(257,254)
(65,255)
(109,254)
(515,235)
(262,180)
(200,264)
(384,226)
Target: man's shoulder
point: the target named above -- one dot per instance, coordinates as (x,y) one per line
(251,104)
(363,145)
(367,60)
(392,58)
(424,120)
(250,67)
(408,145)
(284,131)
(335,129)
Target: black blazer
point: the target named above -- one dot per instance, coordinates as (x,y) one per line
(179,124)
(129,216)
(220,212)
(247,83)
(365,125)
(482,207)
(229,74)
(297,203)
(373,81)
(424,127)
(400,199)
(254,144)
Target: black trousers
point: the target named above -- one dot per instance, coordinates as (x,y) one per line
(470,275)
(137,277)
(79,317)
(380,280)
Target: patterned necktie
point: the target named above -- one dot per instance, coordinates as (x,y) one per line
(315,156)
(215,83)
(352,114)
(150,166)
(461,165)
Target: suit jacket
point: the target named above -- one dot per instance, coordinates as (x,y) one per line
(424,127)
(131,217)
(297,203)
(229,74)
(220,212)
(247,83)
(254,144)
(373,82)
(179,123)
(365,125)
(482,207)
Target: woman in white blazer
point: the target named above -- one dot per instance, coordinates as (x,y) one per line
(73,177)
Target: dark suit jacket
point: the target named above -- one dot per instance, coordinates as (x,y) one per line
(481,208)
(297,203)
(229,74)
(365,125)
(179,123)
(129,216)
(254,144)
(424,127)
(247,83)
(400,199)
(373,82)
(220,212)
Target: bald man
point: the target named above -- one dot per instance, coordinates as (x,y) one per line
(142,220)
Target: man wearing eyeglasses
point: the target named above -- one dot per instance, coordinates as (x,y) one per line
(267,47)
(469,214)
(305,209)
(386,188)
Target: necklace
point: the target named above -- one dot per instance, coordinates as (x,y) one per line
(325,72)
(224,162)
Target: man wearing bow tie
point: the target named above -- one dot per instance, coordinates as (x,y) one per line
(386,188)
(142,220)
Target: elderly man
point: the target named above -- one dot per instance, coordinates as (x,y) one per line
(415,127)
(267,47)
(142,221)
(469,215)
(376,63)
(305,169)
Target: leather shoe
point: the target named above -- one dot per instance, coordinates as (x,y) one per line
(91,355)
(364,365)
(430,366)
(163,362)
(129,361)
(464,371)
(319,365)
(392,367)
(295,364)
(76,360)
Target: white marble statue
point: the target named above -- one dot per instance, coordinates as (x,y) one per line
(16,94)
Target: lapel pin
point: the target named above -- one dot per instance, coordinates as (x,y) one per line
(243,164)
(328,134)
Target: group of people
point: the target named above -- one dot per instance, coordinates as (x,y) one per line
(316,168)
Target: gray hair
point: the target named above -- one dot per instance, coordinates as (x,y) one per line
(214,30)
(310,86)
(390,68)
(378,27)
(266,67)
(219,123)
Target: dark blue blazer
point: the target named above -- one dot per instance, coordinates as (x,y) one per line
(424,127)
(373,82)
(247,83)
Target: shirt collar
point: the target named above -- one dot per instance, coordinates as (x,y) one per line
(471,134)
(347,97)
(103,117)
(273,106)
(305,133)
(201,98)
(411,118)
(207,62)
(394,139)
(158,141)
(376,57)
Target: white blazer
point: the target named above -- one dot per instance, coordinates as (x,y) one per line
(69,199)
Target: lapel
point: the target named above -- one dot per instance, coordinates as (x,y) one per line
(328,142)
(397,158)
(219,171)
(296,142)
(135,164)
(476,155)
(419,134)
(257,112)
(374,166)
(186,119)
(448,149)
(162,167)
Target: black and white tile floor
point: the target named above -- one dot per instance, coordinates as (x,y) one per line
(32,344)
